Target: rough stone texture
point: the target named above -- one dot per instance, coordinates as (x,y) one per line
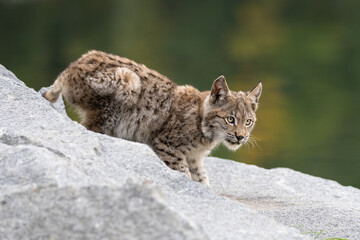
(131,212)
(308,203)
(58,180)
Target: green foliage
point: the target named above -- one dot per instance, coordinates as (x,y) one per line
(305,52)
(319,233)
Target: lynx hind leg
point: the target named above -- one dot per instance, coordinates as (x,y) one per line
(172,158)
(197,170)
(129,84)
(90,120)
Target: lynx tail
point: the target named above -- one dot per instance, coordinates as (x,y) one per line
(54,92)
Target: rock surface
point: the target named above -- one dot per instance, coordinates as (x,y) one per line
(60,181)
(308,203)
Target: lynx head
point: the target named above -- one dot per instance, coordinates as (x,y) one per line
(229,116)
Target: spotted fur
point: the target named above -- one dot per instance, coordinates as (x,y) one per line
(121,98)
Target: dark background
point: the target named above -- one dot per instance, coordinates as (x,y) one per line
(306,53)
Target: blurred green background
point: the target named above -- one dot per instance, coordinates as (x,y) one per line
(306,53)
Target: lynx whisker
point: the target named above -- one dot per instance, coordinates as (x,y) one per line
(247,146)
(257,139)
(253,140)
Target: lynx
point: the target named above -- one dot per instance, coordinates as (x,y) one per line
(121,98)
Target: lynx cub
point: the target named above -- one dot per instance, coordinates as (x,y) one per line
(121,98)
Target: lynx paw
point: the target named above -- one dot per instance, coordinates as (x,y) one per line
(205,181)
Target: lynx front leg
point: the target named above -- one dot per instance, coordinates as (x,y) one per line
(171,157)
(197,170)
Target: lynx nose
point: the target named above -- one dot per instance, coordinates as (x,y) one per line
(239,137)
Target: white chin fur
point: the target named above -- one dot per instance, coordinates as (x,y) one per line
(232,147)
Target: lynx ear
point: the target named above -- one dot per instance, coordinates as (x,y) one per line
(219,90)
(255,94)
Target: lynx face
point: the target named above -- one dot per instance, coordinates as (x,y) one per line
(229,116)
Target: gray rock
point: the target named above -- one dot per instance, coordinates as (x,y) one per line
(58,105)
(58,180)
(4,73)
(93,212)
(308,203)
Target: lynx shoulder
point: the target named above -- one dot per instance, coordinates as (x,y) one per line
(119,97)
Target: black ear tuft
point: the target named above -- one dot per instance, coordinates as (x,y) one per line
(219,89)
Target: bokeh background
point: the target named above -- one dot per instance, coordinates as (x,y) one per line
(306,53)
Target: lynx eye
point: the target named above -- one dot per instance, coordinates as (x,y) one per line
(230,119)
(248,122)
